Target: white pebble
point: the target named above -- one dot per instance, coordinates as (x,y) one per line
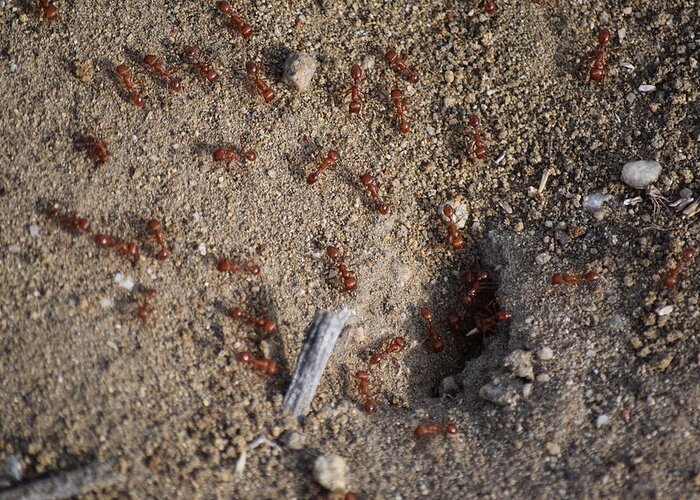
(112,345)
(329,472)
(14,68)
(664,311)
(647,88)
(621,33)
(594,202)
(33,230)
(126,282)
(602,420)
(202,249)
(543,258)
(639,174)
(106,302)
(196,217)
(545,354)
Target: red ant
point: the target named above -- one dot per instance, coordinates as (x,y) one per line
(122,247)
(372,186)
(392,57)
(490,7)
(399,105)
(130,84)
(331,158)
(157,66)
(425,429)
(362,379)
(79,223)
(488,323)
(206,69)
(268,327)
(433,334)
(96,148)
(672,275)
(454,322)
(597,63)
(156,229)
(348,277)
(50,10)
(253,70)
(478,147)
(239,24)
(266,365)
(355,105)
(229,155)
(561,278)
(456,238)
(146,308)
(475,282)
(396,344)
(228,266)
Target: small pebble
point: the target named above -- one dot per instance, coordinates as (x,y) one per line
(545,354)
(14,68)
(602,421)
(553,449)
(299,69)
(543,377)
(293,440)
(14,467)
(639,174)
(33,230)
(202,248)
(664,311)
(126,282)
(543,258)
(106,303)
(647,88)
(594,202)
(329,472)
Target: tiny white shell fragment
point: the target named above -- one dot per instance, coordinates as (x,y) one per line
(627,65)
(664,311)
(632,201)
(647,88)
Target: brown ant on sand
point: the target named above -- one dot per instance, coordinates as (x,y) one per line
(598,64)
(204,67)
(146,308)
(453,233)
(266,325)
(362,379)
(671,277)
(122,247)
(230,155)
(156,230)
(330,159)
(267,366)
(399,62)
(396,344)
(159,68)
(433,334)
(238,23)
(426,429)
(229,266)
(50,10)
(478,147)
(130,84)
(355,105)
(400,106)
(79,223)
(253,70)
(346,275)
(372,187)
(563,278)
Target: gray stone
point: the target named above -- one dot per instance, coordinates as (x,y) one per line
(298,70)
(293,440)
(500,392)
(639,174)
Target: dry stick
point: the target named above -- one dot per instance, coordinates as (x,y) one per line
(321,337)
(68,484)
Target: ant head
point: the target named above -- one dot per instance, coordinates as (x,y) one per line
(251,68)
(150,59)
(243,357)
(356,72)
(688,254)
(604,36)
(332,252)
(474,120)
(396,93)
(391,54)
(333,154)
(404,127)
(426,313)
(223,7)
(188,50)
(448,210)
(236,312)
(367,179)
(250,155)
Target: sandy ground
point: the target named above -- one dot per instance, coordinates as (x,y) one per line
(615,412)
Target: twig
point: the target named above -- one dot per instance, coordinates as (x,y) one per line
(321,337)
(67,484)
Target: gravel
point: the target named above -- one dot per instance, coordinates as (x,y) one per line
(640,174)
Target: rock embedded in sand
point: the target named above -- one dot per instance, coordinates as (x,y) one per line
(329,472)
(298,70)
(639,174)
(520,364)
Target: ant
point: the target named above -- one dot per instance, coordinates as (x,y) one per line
(96,148)
(331,158)
(488,323)
(456,238)
(372,186)
(454,323)
(671,277)
(50,10)
(362,379)
(226,265)
(478,147)
(561,278)
(266,365)
(398,101)
(425,429)
(597,63)
(130,84)
(79,223)
(396,344)
(122,247)
(156,229)
(268,327)
(146,308)
(253,70)
(348,277)
(157,66)
(475,282)
(355,105)
(229,155)
(433,334)
(205,68)
(239,24)
(490,7)
(392,57)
